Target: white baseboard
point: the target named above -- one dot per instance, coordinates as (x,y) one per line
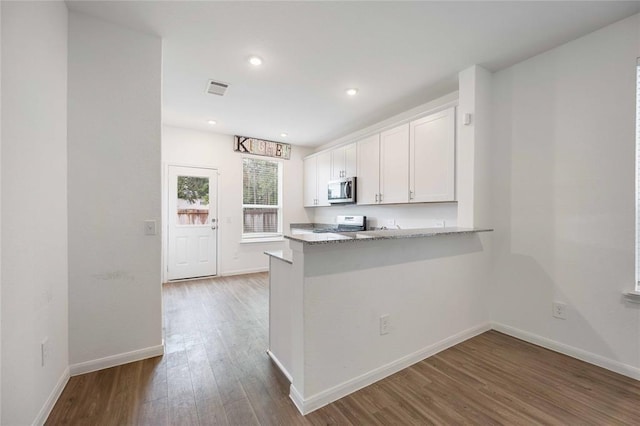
(297,399)
(244,271)
(306,406)
(52,399)
(277,362)
(591,358)
(115,360)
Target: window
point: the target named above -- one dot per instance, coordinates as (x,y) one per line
(261,198)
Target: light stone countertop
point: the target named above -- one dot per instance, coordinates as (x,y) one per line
(284,255)
(387,234)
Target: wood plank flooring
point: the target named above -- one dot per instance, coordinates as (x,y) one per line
(215,372)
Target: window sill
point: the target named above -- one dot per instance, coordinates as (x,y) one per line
(632,296)
(262,240)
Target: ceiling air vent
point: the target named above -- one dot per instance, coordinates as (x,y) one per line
(216,87)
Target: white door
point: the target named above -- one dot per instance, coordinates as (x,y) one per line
(324,176)
(350,160)
(337,163)
(310,196)
(394,165)
(432,168)
(193,223)
(368,173)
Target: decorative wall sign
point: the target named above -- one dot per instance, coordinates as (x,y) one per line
(261,147)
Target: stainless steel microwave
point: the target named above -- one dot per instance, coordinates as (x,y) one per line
(342,191)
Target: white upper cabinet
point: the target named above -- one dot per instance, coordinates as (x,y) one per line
(394,165)
(343,162)
(368,170)
(432,158)
(410,163)
(310,196)
(324,176)
(317,171)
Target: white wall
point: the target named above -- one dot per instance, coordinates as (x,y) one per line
(473,148)
(114,185)
(197,148)
(34,208)
(0,214)
(434,291)
(563,197)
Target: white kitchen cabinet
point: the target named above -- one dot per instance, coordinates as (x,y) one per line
(394,165)
(317,172)
(432,158)
(343,162)
(383,167)
(310,178)
(368,170)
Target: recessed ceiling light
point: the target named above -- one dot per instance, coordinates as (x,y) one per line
(352,91)
(212,122)
(255,61)
(284,135)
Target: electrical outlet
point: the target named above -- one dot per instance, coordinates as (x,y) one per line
(560,310)
(44,351)
(439,223)
(384,324)
(391,222)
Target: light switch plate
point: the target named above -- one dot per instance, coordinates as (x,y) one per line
(149,227)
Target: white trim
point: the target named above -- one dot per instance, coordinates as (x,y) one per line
(297,399)
(632,296)
(245,271)
(306,406)
(277,362)
(115,360)
(262,240)
(52,399)
(591,358)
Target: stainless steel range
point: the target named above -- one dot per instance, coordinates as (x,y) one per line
(346,224)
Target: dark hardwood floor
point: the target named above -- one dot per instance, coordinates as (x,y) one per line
(215,371)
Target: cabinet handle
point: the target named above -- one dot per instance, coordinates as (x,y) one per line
(376,198)
(380,197)
(411,195)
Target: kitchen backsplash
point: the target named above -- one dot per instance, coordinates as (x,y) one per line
(391,216)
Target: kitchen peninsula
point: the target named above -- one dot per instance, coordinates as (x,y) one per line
(347,309)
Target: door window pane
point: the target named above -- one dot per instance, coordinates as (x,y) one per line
(193,200)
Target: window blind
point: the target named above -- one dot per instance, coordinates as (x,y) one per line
(261,197)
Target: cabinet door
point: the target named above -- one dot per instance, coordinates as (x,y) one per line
(324,176)
(432,159)
(310,182)
(337,163)
(368,170)
(394,165)
(350,163)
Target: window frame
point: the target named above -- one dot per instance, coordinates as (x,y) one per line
(264,236)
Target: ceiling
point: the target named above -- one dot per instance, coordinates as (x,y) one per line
(398,54)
